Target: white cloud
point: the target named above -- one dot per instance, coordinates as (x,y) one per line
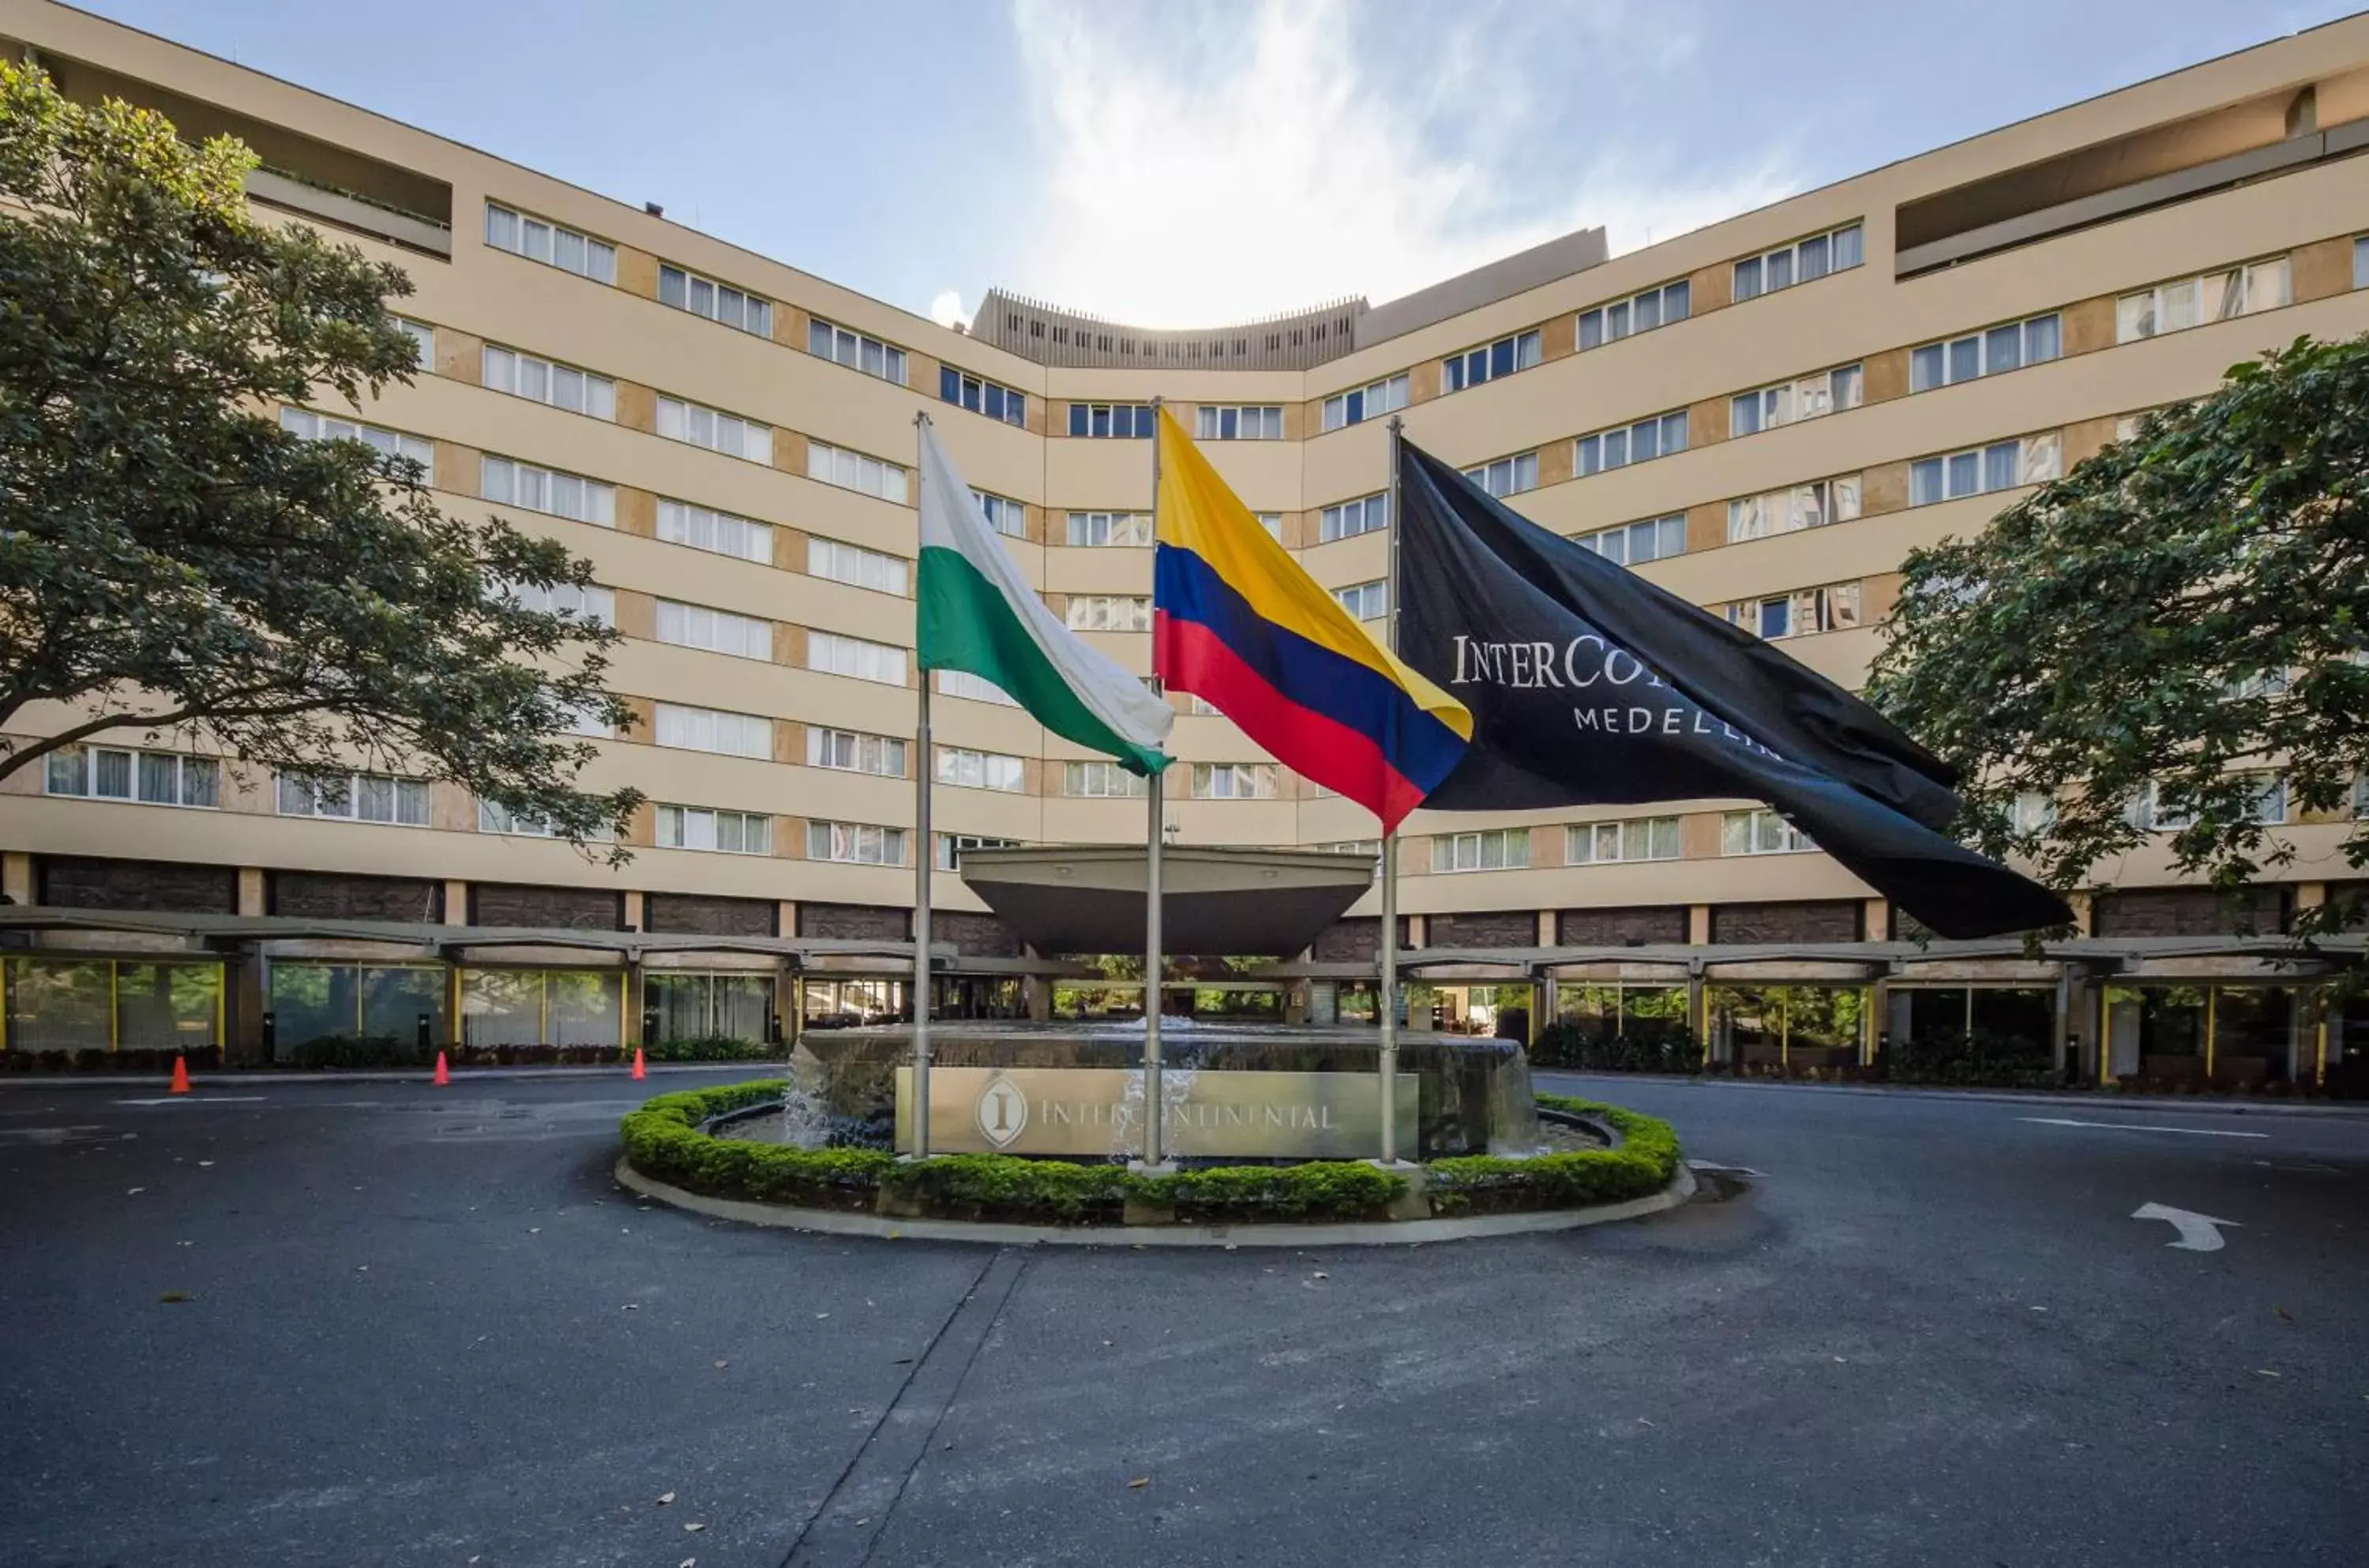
(1252,162)
(946,307)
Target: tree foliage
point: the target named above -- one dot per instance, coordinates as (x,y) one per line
(2160,635)
(174,562)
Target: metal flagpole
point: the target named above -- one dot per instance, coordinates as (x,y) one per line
(1153,1151)
(924,863)
(1388,1001)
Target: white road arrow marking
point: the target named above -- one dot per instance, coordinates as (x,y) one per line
(2135,1126)
(2197,1232)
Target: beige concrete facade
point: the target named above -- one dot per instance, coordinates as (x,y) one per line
(473,294)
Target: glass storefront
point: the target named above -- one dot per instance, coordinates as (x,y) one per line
(1788,1028)
(844,1003)
(534,1007)
(2220,1034)
(314,1001)
(104,1004)
(719,1006)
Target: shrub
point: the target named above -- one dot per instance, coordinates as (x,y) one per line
(1324,1189)
(360,1050)
(1564,1043)
(664,1140)
(1644,1165)
(1004,1187)
(1979,1057)
(709,1048)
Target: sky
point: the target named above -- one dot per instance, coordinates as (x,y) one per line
(1174,163)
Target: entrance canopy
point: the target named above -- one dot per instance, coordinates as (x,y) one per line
(1235,902)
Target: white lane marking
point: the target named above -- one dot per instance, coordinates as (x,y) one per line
(1724,1170)
(2197,1232)
(2138,1127)
(198,1100)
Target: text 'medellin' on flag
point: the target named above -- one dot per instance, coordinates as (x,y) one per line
(1588,685)
(978,614)
(1238,623)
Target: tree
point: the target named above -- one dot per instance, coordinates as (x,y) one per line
(175,562)
(2160,638)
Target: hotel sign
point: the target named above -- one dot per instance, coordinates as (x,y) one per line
(1096,1111)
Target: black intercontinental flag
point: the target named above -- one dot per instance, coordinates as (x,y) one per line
(1590,686)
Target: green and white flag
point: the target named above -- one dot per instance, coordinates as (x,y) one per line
(978,614)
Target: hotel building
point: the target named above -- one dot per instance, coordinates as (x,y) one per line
(1763,416)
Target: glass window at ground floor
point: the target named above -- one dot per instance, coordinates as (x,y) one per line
(2228,1034)
(1789,1026)
(314,1002)
(709,1006)
(1950,1033)
(69,1005)
(533,1007)
(1647,1010)
(850,1002)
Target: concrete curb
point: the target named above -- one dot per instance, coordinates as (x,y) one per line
(835,1222)
(461,1075)
(2090,1099)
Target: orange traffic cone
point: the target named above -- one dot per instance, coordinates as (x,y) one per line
(180,1076)
(443,1073)
(641,1070)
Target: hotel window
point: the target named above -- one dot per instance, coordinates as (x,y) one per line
(853,752)
(588,602)
(1364,515)
(1798,614)
(1637,542)
(147,778)
(423,340)
(1496,849)
(1384,396)
(1240,424)
(1760,832)
(831,654)
(854,471)
(727,433)
(589,720)
(950,847)
(1109,612)
(981,396)
(1114,421)
(697,828)
(855,350)
(312,426)
(353,797)
(1353,846)
(1790,402)
(2002,466)
(542,381)
(717,631)
(2152,814)
(856,566)
(1643,837)
(1508,476)
(1987,352)
(548,243)
(1800,262)
(1100,528)
(1004,515)
(1639,442)
(1236,780)
(981,770)
(679,522)
(1489,361)
(2194,302)
(1638,312)
(1366,601)
(2031,811)
(973,688)
(712,729)
(855,842)
(1272,523)
(717,302)
(1790,511)
(2361,262)
(547,490)
(1101,781)
(493,818)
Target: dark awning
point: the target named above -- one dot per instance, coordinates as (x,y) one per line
(1214,901)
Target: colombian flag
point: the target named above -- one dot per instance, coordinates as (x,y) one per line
(1239,623)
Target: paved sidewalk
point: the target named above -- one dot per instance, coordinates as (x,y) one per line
(203,1081)
(2072,1099)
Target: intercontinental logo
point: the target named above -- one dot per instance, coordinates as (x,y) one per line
(1002,1111)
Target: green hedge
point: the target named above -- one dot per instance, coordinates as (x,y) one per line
(1488,1183)
(664,1141)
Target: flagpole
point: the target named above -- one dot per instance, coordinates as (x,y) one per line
(1387,1003)
(924,863)
(1153,1152)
